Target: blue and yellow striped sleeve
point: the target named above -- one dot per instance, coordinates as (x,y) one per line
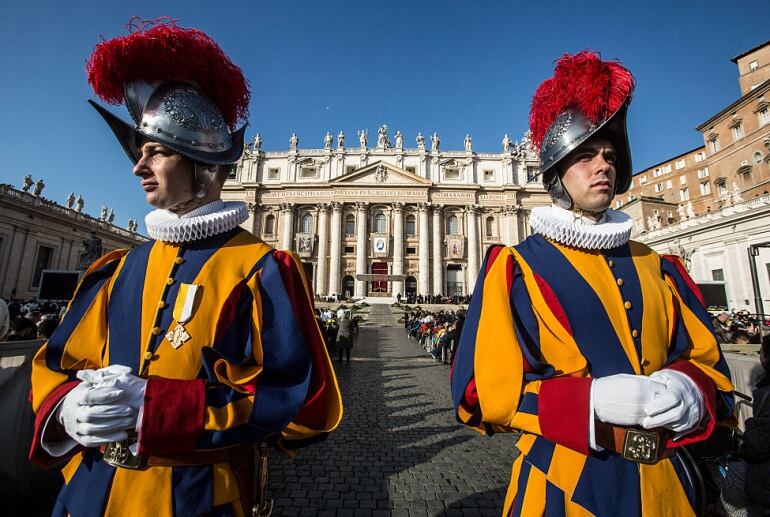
(513,370)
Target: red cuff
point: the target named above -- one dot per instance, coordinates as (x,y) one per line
(708,390)
(173,415)
(563,411)
(36,451)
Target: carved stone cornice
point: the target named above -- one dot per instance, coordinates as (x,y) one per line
(423,207)
(336,206)
(472,209)
(362,206)
(323,207)
(287,207)
(398,206)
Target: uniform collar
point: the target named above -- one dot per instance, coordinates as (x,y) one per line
(572,229)
(205,221)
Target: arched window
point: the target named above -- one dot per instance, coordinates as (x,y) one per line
(307,223)
(490,226)
(410,225)
(269,225)
(379,223)
(452,225)
(350,224)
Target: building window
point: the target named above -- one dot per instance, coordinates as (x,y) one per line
(452,174)
(269,225)
(764,116)
(684,194)
(350,249)
(307,223)
(703,173)
(714,145)
(659,187)
(680,164)
(308,172)
(452,226)
(273,174)
(705,188)
(489,175)
(349,169)
(757,157)
(490,226)
(411,169)
(682,180)
(410,225)
(657,172)
(532,173)
(722,190)
(642,180)
(379,223)
(350,224)
(411,251)
(753,65)
(668,185)
(699,157)
(42,261)
(738,131)
(718,275)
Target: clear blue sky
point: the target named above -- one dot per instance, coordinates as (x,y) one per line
(451,67)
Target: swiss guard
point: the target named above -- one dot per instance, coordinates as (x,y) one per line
(594,347)
(180,361)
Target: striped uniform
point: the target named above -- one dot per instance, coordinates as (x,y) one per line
(543,320)
(255,368)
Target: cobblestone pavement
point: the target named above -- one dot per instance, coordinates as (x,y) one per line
(399,450)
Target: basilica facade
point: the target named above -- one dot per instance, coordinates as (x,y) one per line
(387,220)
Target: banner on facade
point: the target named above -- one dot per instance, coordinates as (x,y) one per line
(455,247)
(305,245)
(380,246)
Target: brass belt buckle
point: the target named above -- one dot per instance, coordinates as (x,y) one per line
(118,454)
(641,446)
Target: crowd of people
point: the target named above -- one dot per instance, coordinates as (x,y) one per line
(740,327)
(26,320)
(339,329)
(433,299)
(437,332)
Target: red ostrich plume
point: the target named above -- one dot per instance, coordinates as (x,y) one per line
(584,82)
(159,51)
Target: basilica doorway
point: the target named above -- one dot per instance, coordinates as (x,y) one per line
(454,280)
(348,286)
(309,271)
(410,286)
(380,286)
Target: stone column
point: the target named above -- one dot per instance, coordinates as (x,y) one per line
(361,247)
(438,246)
(288,226)
(398,247)
(423,285)
(322,282)
(473,246)
(335,250)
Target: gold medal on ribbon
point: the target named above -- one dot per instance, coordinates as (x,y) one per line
(183,309)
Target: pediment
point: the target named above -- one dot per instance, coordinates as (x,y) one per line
(381,173)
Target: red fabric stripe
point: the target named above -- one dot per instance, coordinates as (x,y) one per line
(708,389)
(36,451)
(313,413)
(471,395)
(677,262)
(563,407)
(173,415)
(553,302)
(494,251)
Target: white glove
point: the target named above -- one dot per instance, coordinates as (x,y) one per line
(679,407)
(92,415)
(621,399)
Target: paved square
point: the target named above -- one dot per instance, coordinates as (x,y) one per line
(399,450)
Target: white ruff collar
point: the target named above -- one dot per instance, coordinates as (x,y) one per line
(572,229)
(205,221)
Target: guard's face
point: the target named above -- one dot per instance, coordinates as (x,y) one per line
(167,176)
(589,176)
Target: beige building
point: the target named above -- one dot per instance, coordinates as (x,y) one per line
(38,234)
(734,161)
(389,220)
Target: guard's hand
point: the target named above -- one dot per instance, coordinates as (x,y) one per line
(679,407)
(94,415)
(131,387)
(621,399)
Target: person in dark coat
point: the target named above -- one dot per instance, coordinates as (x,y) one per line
(345,336)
